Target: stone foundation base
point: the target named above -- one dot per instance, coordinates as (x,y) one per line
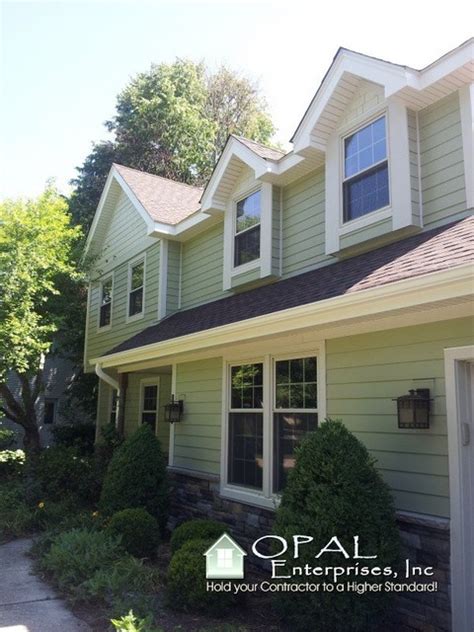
(425,542)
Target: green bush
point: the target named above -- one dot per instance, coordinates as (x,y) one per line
(62,471)
(74,556)
(196,530)
(80,436)
(186,582)
(7,438)
(12,463)
(138,530)
(335,490)
(16,516)
(136,477)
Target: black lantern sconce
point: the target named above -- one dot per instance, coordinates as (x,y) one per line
(174,410)
(414,409)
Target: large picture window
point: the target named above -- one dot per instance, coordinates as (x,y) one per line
(272,405)
(105,303)
(246,426)
(136,283)
(247,229)
(365,186)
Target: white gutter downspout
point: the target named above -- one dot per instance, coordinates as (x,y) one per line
(107,378)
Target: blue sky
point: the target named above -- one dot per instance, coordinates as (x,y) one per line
(62,63)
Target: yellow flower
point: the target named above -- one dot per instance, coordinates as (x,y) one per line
(41,505)
(95,514)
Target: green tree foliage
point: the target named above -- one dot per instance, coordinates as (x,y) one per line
(335,490)
(36,244)
(136,477)
(172,121)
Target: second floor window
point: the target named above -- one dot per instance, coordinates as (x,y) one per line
(105,303)
(365,186)
(135,296)
(247,229)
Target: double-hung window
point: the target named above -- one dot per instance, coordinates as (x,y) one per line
(149,404)
(279,420)
(365,185)
(105,302)
(136,287)
(247,229)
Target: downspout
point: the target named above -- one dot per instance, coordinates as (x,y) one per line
(107,378)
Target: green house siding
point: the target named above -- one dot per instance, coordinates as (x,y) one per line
(99,342)
(197,437)
(173,274)
(442,163)
(202,267)
(303,224)
(364,374)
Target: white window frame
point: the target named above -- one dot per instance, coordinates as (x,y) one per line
(150,381)
(249,265)
(101,284)
(111,401)
(264,263)
(131,265)
(264,497)
(400,209)
(359,221)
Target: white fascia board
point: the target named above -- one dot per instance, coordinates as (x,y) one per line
(233,148)
(446,64)
(451,284)
(99,211)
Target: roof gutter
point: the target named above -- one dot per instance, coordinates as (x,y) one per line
(451,284)
(101,374)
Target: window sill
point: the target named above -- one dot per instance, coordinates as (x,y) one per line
(366,220)
(131,319)
(248,497)
(101,330)
(246,267)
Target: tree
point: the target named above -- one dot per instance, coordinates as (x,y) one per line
(36,241)
(172,121)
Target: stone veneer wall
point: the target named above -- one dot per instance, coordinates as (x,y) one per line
(424,542)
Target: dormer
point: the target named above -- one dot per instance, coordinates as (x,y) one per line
(239,191)
(363,125)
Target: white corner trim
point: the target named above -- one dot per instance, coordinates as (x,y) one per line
(163,279)
(462,575)
(172,426)
(466,104)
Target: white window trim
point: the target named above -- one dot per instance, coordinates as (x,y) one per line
(398,159)
(132,264)
(111,275)
(110,399)
(265,497)
(149,381)
(385,211)
(264,263)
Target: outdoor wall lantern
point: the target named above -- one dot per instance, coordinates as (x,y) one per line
(174,410)
(414,409)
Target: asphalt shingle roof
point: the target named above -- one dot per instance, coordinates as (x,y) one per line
(165,200)
(435,250)
(264,151)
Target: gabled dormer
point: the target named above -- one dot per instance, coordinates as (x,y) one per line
(363,124)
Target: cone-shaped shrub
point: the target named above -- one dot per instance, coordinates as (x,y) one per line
(335,490)
(136,477)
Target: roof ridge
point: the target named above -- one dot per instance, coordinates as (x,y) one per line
(154,175)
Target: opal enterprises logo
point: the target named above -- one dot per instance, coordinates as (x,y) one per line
(225,561)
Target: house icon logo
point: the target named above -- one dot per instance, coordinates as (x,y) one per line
(225,559)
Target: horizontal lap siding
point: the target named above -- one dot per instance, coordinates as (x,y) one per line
(197,438)
(132,406)
(441,158)
(303,224)
(99,342)
(365,373)
(174,270)
(202,268)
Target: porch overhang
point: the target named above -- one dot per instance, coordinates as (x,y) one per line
(435,296)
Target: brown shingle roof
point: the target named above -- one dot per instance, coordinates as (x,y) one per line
(269,153)
(165,200)
(439,249)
